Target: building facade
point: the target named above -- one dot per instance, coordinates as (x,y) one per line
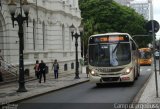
(124,2)
(47,37)
(142,8)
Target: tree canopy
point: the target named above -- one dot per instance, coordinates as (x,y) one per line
(102,16)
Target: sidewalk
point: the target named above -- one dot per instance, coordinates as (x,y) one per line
(9,94)
(149,90)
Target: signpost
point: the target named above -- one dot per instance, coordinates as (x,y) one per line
(153,27)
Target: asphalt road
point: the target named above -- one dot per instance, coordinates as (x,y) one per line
(87,95)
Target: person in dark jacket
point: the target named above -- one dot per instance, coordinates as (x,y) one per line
(56,68)
(42,68)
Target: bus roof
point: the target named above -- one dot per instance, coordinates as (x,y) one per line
(114,33)
(144,49)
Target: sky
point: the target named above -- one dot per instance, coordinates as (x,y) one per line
(156,12)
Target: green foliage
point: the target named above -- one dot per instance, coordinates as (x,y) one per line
(102,16)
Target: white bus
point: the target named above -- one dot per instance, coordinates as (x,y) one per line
(112,57)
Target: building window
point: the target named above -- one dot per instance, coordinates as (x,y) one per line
(34,34)
(63,36)
(72,65)
(70,40)
(43,30)
(65,67)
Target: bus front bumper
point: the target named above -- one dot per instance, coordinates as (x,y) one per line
(112,79)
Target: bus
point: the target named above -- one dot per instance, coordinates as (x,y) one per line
(145,57)
(112,57)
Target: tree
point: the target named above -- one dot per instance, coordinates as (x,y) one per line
(102,16)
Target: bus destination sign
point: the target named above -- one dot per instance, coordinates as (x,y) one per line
(110,39)
(119,38)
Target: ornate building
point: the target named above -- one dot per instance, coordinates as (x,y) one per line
(47,36)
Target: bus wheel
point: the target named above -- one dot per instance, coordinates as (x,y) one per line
(98,84)
(139,71)
(134,74)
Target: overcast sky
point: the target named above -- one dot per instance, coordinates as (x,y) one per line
(156,12)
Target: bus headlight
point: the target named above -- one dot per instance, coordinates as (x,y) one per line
(93,73)
(128,70)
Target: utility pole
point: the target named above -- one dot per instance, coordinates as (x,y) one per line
(153,36)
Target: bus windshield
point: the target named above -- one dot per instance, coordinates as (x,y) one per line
(109,54)
(145,54)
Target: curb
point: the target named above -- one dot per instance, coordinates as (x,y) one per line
(50,91)
(139,94)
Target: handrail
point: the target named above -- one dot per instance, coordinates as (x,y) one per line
(8,67)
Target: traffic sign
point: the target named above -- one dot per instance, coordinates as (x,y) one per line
(155,26)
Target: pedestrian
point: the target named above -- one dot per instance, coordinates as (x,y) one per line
(56,68)
(87,71)
(42,68)
(36,68)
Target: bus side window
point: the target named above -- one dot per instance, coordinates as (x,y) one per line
(133,46)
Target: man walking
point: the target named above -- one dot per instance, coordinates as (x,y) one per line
(36,68)
(56,68)
(42,68)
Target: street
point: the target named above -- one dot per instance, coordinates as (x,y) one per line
(89,95)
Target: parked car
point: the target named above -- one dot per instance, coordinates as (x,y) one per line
(156,54)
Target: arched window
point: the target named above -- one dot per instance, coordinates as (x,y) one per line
(65,67)
(34,35)
(44,34)
(63,37)
(72,65)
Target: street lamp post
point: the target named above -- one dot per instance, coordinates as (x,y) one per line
(20,20)
(76,35)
